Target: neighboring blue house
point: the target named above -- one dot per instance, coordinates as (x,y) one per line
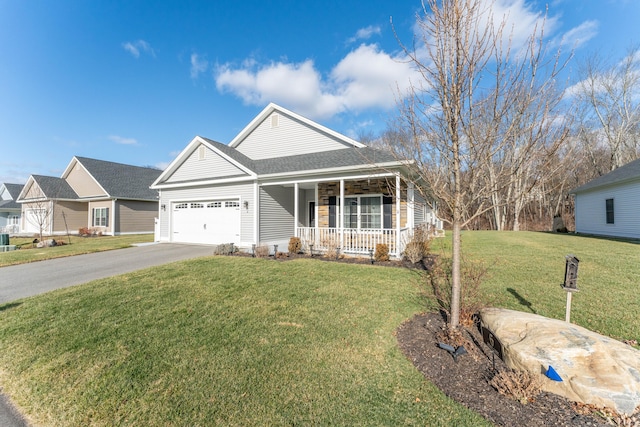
(610,204)
(9,209)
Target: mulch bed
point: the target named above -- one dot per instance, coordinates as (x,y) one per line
(467,380)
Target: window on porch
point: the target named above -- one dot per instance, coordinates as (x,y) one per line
(363,212)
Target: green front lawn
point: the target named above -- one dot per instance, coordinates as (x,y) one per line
(79,245)
(242,341)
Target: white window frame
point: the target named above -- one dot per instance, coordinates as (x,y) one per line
(100,217)
(14,219)
(358,197)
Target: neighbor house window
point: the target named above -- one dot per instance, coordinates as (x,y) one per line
(610,216)
(363,212)
(100,217)
(14,220)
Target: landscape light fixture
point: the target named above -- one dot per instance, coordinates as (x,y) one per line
(371,255)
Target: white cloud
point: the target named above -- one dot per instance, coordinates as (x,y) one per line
(121,140)
(366,78)
(198,65)
(579,35)
(520,19)
(137,47)
(366,33)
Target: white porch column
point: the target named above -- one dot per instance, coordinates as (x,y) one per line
(411,204)
(398,215)
(341,213)
(296,208)
(256,213)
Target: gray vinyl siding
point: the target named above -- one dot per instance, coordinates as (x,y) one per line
(135,216)
(211,166)
(290,137)
(420,209)
(276,214)
(590,211)
(210,192)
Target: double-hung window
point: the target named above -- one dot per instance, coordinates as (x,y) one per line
(100,217)
(609,211)
(363,212)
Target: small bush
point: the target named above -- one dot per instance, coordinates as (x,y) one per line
(84,231)
(419,245)
(225,249)
(520,385)
(281,255)
(262,251)
(332,245)
(382,252)
(295,245)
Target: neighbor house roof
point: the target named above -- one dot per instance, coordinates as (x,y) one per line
(54,188)
(122,181)
(14,191)
(628,172)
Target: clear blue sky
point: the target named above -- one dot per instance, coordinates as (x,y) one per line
(134,81)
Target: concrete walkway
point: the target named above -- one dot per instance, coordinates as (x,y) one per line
(25,280)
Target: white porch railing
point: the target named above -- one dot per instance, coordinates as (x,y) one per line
(351,240)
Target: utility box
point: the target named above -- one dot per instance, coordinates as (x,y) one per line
(571,274)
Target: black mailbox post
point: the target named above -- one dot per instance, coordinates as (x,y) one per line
(571,274)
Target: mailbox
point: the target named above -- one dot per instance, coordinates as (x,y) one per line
(571,274)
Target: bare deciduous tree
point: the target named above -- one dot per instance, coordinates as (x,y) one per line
(608,105)
(479,113)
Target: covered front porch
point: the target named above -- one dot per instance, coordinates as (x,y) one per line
(350,215)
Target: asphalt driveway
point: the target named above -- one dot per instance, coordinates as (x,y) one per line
(25,280)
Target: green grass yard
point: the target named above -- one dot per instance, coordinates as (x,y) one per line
(242,341)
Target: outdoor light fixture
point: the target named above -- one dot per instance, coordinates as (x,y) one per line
(164,207)
(253,250)
(275,251)
(311,249)
(337,252)
(246,204)
(371,255)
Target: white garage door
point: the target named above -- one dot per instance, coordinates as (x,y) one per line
(209,222)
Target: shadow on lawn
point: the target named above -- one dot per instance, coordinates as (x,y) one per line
(521,299)
(9,306)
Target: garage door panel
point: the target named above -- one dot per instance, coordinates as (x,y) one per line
(209,222)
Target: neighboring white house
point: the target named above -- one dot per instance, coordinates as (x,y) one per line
(9,209)
(610,204)
(282,176)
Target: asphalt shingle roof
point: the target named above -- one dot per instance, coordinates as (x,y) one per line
(14,191)
(308,162)
(123,181)
(54,188)
(626,172)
